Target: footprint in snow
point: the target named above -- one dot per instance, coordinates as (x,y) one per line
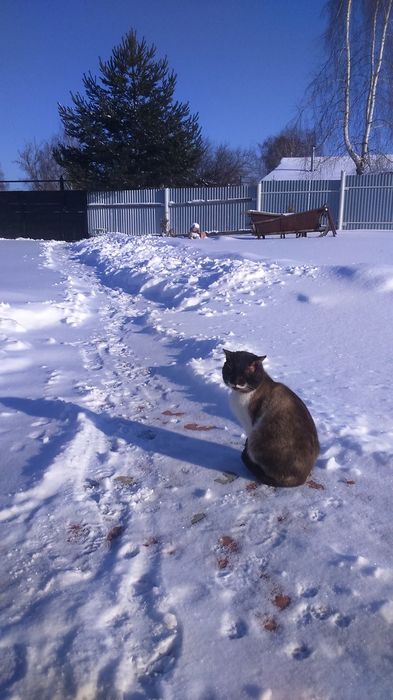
(320,611)
(341,621)
(92,488)
(308,591)
(316,515)
(299,651)
(231,627)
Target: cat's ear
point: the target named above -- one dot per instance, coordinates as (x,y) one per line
(254,366)
(227,353)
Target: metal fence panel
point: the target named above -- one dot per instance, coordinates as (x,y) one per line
(138,212)
(369,201)
(213,208)
(281,196)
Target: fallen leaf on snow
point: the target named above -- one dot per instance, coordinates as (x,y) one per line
(282,518)
(125,480)
(226,478)
(168,412)
(222,563)
(228,543)
(281,601)
(151,541)
(270,624)
(314,485)
(267,622)
(197,517)
(195,426)
(77,533)
(114,532)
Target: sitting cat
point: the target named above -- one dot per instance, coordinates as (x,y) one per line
(282,442)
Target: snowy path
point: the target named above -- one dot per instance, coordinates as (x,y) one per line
(140,559)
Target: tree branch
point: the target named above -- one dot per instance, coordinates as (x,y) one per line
(374,73)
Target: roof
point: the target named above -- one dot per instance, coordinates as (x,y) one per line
(325,167)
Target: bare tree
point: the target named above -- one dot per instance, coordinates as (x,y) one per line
(348,94)
(255,168)
(222,165)
(38,163)
(291,142)
(3,185)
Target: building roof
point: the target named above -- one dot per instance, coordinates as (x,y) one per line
(324,168)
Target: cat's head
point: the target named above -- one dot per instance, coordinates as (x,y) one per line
(242,371)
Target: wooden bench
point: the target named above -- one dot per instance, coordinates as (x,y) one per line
(265,223)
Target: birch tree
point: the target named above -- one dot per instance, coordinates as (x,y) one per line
(348,94)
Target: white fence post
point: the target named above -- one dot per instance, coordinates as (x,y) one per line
(259,195)
(342,201)
(309,195)
(166,209)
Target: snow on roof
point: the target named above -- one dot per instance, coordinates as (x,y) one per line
(325,167)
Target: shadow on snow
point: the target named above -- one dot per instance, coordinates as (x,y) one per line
(151,438)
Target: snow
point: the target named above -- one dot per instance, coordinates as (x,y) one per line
(140,559)
(324,167)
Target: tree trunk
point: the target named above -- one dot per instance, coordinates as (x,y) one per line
(376,56)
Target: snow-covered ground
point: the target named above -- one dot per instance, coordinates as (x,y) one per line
(139,558)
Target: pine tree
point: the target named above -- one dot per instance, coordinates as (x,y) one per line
(127,130)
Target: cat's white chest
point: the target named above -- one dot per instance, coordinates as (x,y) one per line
(239,403)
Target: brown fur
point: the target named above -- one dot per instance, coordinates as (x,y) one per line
(282,444)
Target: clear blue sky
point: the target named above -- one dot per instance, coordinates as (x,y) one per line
(242,65)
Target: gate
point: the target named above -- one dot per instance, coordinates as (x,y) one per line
(50,215)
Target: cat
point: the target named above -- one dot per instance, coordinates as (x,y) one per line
(282,442)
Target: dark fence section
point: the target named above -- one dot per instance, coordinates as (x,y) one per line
(50,215)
